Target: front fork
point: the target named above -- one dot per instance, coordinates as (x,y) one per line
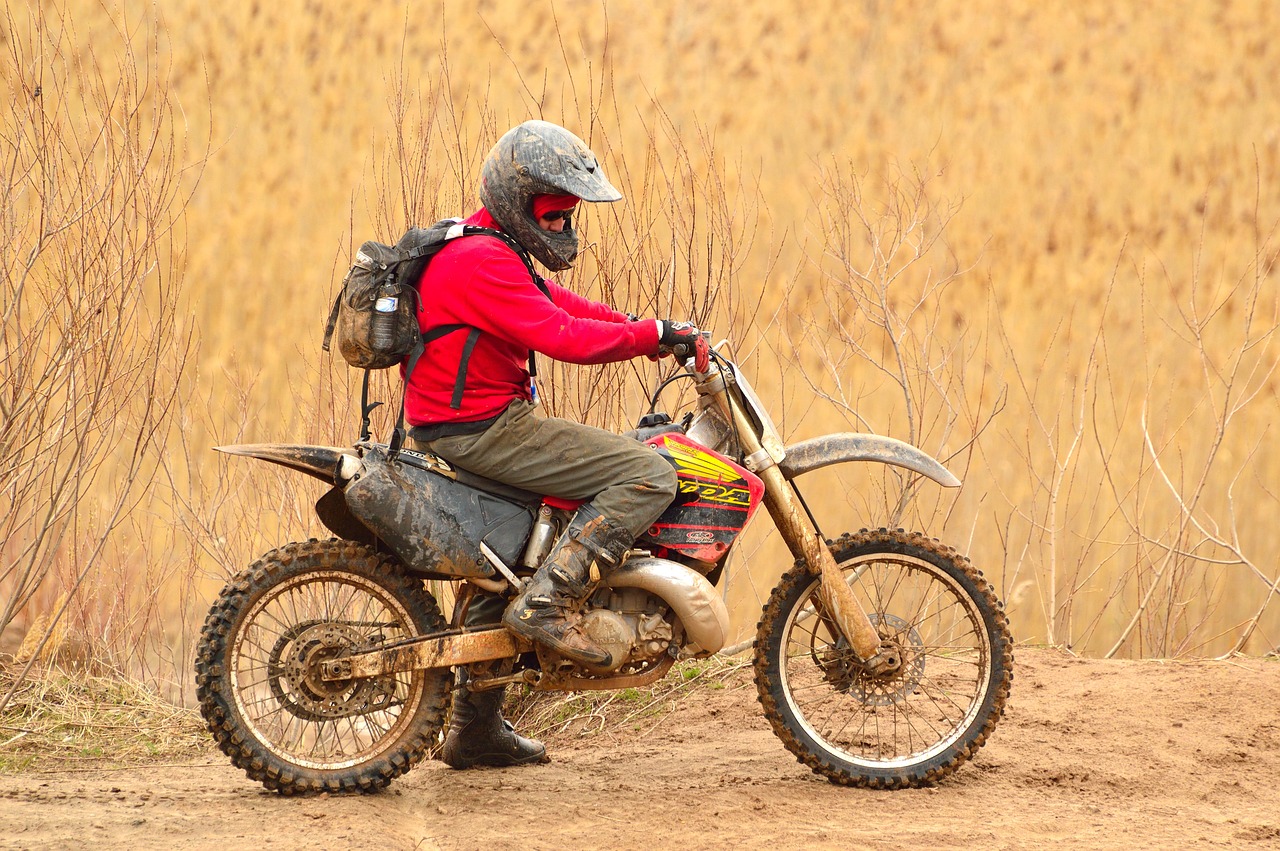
(804,541)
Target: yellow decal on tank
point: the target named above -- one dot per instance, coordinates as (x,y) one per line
(708,492)
(699,463)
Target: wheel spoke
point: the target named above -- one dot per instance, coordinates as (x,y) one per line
(870,728)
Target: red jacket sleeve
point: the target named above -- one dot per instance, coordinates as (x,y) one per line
(583,308)
(503,301)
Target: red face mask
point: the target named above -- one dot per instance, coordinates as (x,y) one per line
(543,204)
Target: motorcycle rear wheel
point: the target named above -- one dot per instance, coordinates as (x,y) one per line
(258,664)
(904,729)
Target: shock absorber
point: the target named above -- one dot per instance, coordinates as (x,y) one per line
(540,539)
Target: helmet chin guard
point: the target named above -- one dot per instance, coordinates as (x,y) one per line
(541,158)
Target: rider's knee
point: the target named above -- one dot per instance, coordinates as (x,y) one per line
(664,479)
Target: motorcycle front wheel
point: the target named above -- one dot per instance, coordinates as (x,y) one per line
(258,670)
(903,728)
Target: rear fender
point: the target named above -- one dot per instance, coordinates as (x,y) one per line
(318,461)
(322,463)
(819,452)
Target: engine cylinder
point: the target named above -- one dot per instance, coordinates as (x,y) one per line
(694,600)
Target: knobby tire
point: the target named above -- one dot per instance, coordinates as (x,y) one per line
(297,605)
(909,729)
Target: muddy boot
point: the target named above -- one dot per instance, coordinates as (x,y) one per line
(479,735)
(543,612)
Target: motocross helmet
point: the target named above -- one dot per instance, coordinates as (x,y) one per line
(541,158)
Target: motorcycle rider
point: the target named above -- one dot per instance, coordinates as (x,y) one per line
(472,402)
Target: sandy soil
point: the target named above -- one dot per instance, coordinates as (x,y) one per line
(1090,755)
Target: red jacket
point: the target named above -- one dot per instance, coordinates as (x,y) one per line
(480,282)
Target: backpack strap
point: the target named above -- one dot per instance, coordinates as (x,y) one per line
(419,348)
(333,319)
(455,231)
(467,348)
(366,409)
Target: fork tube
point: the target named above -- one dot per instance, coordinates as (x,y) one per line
(803,540)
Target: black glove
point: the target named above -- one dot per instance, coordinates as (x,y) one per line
(683,339)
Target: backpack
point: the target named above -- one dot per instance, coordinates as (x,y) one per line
(375,314)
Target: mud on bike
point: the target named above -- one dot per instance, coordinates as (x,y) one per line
(882,657)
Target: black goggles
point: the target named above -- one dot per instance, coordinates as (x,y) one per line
(557,215)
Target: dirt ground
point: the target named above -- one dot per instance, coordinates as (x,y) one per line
(1089,755)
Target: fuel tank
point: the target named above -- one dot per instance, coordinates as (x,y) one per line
(715,500)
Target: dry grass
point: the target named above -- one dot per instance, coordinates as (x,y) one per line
(1100,364)
(67,719)
(61,720)
(555,717)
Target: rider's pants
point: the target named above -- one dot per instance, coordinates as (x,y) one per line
(625,480)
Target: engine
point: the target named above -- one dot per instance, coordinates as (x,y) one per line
(631,624)
(649,603)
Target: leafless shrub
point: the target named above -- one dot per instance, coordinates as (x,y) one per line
(1042,451)
(1122,498)
(895,349)
(93,345)
(1229,333)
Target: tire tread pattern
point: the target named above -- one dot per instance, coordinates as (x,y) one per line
(213,684)
(767,660)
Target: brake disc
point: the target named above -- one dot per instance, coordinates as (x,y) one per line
(840,665)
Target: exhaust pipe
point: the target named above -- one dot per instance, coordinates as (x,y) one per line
(690,595)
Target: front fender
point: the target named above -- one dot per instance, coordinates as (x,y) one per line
(819,452)
(318,461)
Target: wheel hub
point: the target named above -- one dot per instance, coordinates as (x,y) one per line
(891,684)
(299,686)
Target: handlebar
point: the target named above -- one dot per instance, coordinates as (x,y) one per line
(682,352)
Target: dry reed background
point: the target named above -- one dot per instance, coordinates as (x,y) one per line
(1036,239)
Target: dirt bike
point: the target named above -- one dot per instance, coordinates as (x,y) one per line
(882,659)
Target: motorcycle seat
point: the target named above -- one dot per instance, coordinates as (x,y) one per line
(428,461)
(513,493)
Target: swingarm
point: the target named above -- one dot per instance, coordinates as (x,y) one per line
(440,651)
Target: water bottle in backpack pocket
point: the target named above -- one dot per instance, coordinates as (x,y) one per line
(375,312)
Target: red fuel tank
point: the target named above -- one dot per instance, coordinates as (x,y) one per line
(716,498)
